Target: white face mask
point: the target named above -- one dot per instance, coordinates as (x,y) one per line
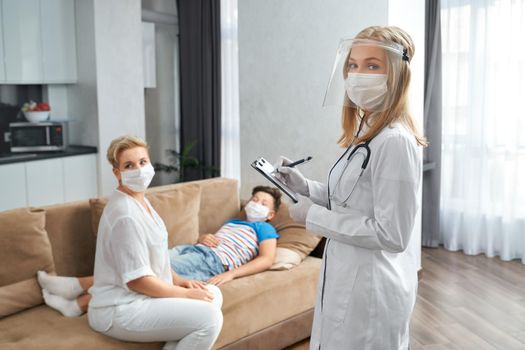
(367,91)
(138,180)
(256,212)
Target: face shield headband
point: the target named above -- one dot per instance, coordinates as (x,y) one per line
(366,74)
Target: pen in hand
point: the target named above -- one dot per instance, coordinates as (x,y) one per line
(297,162)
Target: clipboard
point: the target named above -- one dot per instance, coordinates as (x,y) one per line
(267,170)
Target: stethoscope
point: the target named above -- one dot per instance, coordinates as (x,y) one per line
(365,146)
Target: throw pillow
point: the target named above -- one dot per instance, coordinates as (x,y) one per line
(24,249)
(178,208)
(285,259)
(97,207)
(294,236)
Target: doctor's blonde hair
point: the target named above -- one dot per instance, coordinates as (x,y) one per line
(399,110)
(123,143)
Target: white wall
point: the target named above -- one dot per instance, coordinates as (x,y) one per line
(108,99)
(120,87)
(80,107)
(162,103)
(286,52)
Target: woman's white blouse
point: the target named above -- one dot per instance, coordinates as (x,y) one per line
(131,243)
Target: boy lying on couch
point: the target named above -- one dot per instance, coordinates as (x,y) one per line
(239,248)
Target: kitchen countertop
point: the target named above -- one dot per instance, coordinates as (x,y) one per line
(72,150)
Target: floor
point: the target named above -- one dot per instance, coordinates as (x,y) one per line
(467,302)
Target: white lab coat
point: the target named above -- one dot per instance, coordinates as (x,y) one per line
(368,282)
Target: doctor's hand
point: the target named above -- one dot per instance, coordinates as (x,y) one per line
(291,176)
(299,210)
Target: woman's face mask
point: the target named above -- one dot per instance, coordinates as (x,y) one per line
(138,180)
(366,91)
(256,212)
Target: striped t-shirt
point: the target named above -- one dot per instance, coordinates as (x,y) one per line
(239,241)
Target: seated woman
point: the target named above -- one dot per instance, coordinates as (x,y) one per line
(135,295)
(239,248)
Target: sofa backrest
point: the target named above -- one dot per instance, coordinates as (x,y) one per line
(68,227)
(219,201)
(73,243)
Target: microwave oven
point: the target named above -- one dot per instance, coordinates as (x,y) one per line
(38,137)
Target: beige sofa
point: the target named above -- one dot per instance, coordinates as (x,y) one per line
(269,310)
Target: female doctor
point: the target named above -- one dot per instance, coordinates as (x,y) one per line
(368,282)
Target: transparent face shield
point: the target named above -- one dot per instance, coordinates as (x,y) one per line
(366,75)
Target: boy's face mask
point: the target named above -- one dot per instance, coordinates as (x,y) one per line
(256,212)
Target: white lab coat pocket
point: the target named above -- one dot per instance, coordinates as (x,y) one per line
(339,287)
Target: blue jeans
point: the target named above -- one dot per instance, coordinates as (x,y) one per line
(195,262)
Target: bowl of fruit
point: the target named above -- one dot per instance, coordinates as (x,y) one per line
(36,111)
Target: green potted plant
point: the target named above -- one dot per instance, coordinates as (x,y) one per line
(181,161)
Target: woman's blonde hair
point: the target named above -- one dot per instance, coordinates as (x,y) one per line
(399,110)
(123,143)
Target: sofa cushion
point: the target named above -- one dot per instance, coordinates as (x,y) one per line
(251,304)
(46,329)
(97,207)
(178,208)
(24,249)
(68,226)
(258,301)
(219,202)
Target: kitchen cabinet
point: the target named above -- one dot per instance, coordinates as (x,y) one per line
(22,41)
(44,179)
(59,41)
(39,41)
(80,177)
(49,181)
(13,192)
(2,66)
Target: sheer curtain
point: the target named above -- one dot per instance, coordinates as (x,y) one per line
(230,128)
(483,159)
